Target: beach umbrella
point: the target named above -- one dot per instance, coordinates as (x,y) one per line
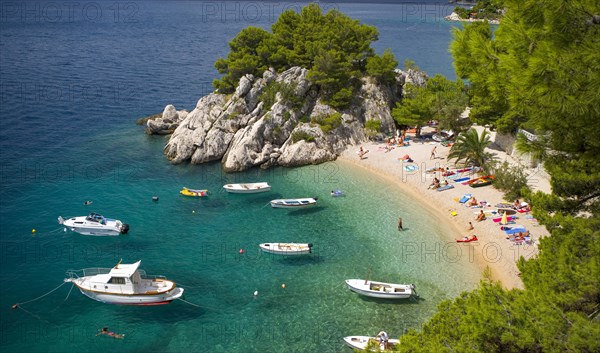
(504,219)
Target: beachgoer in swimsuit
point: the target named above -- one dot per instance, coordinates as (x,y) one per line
(105,331)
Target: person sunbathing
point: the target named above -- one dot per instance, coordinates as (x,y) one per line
(469,237)
(480,216)
(473,202)
(433,184)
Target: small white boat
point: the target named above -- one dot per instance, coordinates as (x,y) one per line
(247,188)
(294,203)
(381,289)
(361,343)
(287,248)
(124,284)
(94,224)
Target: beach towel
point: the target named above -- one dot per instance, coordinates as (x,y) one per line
(445,187)
(461,179)
(465,198)
(411,167)
(508,218)
(515,230)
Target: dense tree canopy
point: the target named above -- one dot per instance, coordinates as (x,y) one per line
(334,47)
(440,99)
(539,70)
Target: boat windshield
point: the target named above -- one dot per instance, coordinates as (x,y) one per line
(94,217)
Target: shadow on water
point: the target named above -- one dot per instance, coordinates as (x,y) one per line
(411,300)
(175,312)
(299,260)
(308,210)
(214,203)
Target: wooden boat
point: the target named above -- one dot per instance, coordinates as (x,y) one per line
(294,203)
(247,188)
(194,192)
(287,248)
(381,289)
(124,284)
(508,211)
(362,342)
(481,181)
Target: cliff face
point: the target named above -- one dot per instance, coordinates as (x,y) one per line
(243,132)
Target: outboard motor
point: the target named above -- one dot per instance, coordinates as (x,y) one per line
(124,228)
(310,248)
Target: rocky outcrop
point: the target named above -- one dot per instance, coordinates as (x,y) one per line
(167,122)
(253,128)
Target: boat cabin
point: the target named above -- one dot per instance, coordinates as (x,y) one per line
(94,217)
(123,278)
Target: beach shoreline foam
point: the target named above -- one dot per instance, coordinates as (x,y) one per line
(492,249)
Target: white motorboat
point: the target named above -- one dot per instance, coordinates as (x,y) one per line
(381,289)
(361,343)
(124,284)
(294,203)
(95,224)
(247,188)
(287,248)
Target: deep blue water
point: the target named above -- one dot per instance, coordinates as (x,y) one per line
(74,76)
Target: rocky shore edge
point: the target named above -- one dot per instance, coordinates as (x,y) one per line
(258,126)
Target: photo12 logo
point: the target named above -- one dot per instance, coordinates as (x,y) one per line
(252,11)
(69,11)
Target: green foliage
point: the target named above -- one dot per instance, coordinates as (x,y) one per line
(470,148)
(511,180)
(462,12)
(448,103)
(329,122)
(440,99)
(246,56)
(302,135)
(332,46)
(415,107)
(373,125)
(541,70)
(382,67)
(410,65)
(488,9)
(287,92)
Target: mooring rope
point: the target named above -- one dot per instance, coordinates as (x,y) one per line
(34,315)
(40,297)
(69,292)
(192,304)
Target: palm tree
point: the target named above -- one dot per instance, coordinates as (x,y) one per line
(470,148)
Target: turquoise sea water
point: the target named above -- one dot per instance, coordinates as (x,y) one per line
(70,93)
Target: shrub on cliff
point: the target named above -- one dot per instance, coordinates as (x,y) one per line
(334,47)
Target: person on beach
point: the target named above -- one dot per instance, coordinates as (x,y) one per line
(433,153)
(361,153)
(470,226)
(435,184)
(104,331)
(473,202)
(480,216)
(469,237)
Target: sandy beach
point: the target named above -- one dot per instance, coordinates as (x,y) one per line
(492,249)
